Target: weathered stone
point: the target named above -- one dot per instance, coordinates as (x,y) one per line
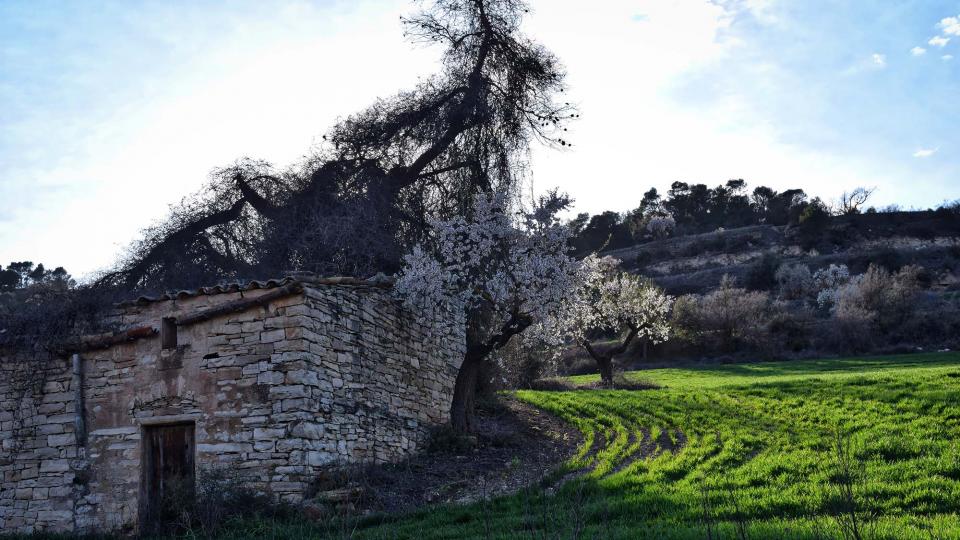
(54,465)
(60,440)
(279,391)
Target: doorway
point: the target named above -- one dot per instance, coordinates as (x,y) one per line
(167,472)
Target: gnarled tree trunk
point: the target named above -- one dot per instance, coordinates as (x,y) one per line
(464,393)
(604,359)
(605,365)
(480,344)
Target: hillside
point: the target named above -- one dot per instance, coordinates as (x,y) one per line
(696,263)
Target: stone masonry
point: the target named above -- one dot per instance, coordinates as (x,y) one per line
(333,372)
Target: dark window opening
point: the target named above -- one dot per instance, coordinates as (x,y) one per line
(168,333)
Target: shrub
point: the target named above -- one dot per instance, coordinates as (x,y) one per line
(831,277)
(788,329)
(888,258)
(220,495)
(763,274)
(524,360)
(878,297)
(661,226)
(851,330)
(724,318)
(827,282)
(814,221)
(795,281)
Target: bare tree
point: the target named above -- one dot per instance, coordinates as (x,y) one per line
(367,194)
(852,201)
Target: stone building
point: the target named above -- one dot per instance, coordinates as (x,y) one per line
(275,380)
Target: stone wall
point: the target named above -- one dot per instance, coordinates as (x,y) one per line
(332,374)
(38,452)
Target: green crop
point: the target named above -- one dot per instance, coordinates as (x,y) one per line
(765,450)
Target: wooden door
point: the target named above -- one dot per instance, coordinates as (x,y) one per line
(168,472)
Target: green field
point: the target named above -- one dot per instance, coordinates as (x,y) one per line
(737,451)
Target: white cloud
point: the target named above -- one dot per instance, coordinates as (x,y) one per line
(879,60)
(918,51)
(950,25)
(946,57)
(925,152)
(939,41)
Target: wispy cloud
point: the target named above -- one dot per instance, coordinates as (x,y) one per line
(925,152)
(918,51)
(946,57)
(875,61)
(939,41)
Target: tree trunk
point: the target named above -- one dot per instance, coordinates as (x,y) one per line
(479,347)
(464,392)
(605,363)
(604,359)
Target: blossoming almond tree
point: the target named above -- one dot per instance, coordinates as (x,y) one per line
(506,268)
(609,302)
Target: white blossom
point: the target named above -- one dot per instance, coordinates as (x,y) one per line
(827,298)
(831,277)
(510,263)
(828,282)
(661,226)
(608,300)
(795,281)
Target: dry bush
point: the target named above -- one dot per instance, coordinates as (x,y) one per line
(883,299)
(724,319)
(849,331)
(223,495)
(870,309)
(789,329)
(795,281)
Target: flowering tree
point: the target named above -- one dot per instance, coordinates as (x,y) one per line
(828,282)
(608,302)
(506,269)
(795,281)
(660,226)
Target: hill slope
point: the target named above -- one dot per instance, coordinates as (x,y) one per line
(696,263)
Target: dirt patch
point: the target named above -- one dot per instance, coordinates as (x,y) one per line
(515,445)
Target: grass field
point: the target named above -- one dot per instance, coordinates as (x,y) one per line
(736,451)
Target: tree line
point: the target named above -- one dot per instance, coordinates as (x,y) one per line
(695,208)
(23,274)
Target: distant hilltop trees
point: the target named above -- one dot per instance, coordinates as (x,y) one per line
(20,275)
(693,208)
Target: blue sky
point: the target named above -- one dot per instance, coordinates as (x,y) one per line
(111,111)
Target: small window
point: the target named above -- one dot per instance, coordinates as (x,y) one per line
(168,333)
